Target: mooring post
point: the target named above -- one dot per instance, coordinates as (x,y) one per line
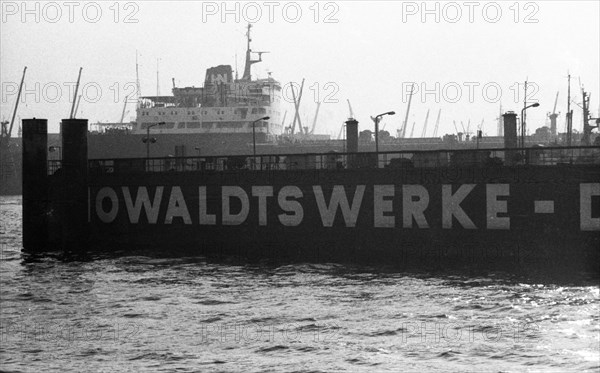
(75,184)
(35,184)
(352,142)
(510,137)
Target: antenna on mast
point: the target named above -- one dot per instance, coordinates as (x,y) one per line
(569,111)
(157,79)
(137,76)
(249,61)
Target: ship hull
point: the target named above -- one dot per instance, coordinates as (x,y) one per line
(490,217)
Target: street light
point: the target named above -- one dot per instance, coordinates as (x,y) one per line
(254,136)
(377,118)
(147,140)
(523,122)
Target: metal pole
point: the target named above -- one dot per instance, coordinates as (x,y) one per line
(523,118)
(522,142)
(148,143)
(254,144)
(377,134)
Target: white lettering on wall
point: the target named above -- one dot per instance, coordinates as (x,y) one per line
(451,206)
(262,192)
(495,206)
(111,215)
(586,221)
(415,200)
(142,200)
(339,200)
(177,207)
(230,218)
(204,217)
(294,211)
(382,203)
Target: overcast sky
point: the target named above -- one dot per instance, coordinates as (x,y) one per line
(367,52)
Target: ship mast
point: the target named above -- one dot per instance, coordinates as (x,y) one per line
(249,60)
(587,129)
(137,78)
(569,112)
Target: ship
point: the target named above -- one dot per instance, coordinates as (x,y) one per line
(226,115)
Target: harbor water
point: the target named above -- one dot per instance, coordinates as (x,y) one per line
(138,313)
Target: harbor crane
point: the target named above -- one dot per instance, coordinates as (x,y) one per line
(77,106)
(350,110)
(437,123)
(407,112)
(283,121)
(314,124)
(297,107)
(339,137)
(553,116)
(124,106)
(75,95)
(425,125)
(7,133)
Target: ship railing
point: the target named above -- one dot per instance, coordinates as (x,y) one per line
(540,156)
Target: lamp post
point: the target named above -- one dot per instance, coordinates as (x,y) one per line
(523,122)
(377,118)
(147,140)
(254,137)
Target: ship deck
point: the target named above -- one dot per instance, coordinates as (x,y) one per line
(538,156)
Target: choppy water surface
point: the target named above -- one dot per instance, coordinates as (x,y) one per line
(186,314)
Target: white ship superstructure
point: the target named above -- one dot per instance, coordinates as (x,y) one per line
(223,106)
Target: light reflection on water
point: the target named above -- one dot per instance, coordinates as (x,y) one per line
(187,314)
